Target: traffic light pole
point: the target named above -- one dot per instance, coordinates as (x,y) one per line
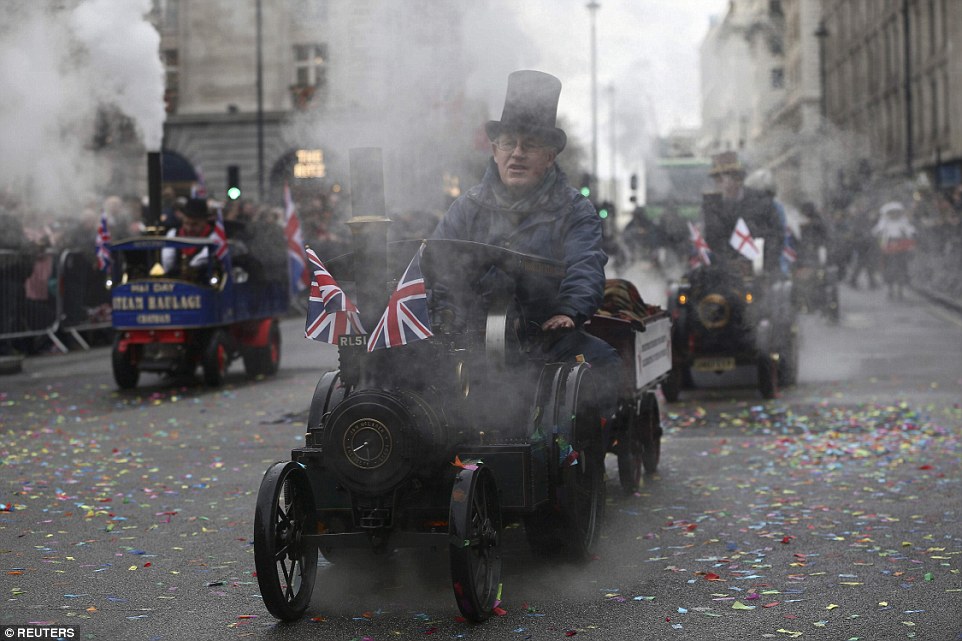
(592,8)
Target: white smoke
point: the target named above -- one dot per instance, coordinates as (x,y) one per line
(124,61)
(60,63)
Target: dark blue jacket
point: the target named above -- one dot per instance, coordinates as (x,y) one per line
(566,229)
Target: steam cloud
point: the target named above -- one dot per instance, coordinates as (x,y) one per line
(58,66)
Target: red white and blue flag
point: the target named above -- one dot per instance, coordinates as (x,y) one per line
(742,241)
(300,276)
(103,245)
(789,255)
(330,313)
(219,236)
(406,318)
(701,255)
(199,188)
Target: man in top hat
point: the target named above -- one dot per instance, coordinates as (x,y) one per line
(732,200)
(524,203)
(194,223)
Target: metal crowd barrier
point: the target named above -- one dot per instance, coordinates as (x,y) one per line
(50,293)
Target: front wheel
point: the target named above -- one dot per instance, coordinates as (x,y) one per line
(215,359)
(475,549)
(286,564)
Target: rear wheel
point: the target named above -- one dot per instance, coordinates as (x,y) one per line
(768,376)
(286,564)
(475,548)
(126,372)
(264,360)
(215,359)
(671,386)
(650,419)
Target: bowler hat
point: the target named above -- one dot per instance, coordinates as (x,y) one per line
(195,208)
(530,107)
(726,162)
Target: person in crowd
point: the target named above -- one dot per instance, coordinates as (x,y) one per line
(194,223)
(524,202)
(17,257)
(639,235)
(814,236)
(862,245)
(733,200)
(896,238)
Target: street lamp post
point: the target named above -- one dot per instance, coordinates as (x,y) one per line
(592,9)
(822,33)
(260,106)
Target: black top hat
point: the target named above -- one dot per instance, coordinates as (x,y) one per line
(195,208)
(530,107)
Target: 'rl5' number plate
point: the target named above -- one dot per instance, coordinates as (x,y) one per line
(713,364)
(352,340)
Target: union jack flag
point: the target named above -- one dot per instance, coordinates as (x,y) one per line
(300,277)
(789,255)
(330,313)
(701,255)
(219,236)
(406,318)
(103,247)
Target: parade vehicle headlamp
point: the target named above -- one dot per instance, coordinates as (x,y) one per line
(749,298)
(682,299)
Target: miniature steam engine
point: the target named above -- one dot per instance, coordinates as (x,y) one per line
(443,441)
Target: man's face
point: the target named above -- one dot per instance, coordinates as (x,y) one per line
(729,184)
(522,161)
(193,226)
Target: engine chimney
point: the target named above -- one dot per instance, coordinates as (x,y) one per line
(154,180)
(368,226)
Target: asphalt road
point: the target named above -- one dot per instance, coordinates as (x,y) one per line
(832,512)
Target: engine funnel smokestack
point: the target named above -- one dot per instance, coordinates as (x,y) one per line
(368,226)
(154,180)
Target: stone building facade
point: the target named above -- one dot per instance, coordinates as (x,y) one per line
(332,76)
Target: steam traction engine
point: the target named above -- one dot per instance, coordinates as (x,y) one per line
(439,442)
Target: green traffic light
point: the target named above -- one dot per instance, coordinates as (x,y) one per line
(602,213)
(233,193)
(585,192)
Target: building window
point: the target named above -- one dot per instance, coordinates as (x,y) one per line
(171,59)
(310,73)
(778,78)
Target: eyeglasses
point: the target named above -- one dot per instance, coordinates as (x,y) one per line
(508,143)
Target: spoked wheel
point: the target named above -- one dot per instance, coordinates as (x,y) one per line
(768,376)
(126,372)
(475,549)
(651,433)
(286,564)
(630,448)
(215,359)
(581,494)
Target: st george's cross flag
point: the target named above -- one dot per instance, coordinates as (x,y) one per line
(743,242)
(330,313)
(102,244)
(701,256)
(406,318)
